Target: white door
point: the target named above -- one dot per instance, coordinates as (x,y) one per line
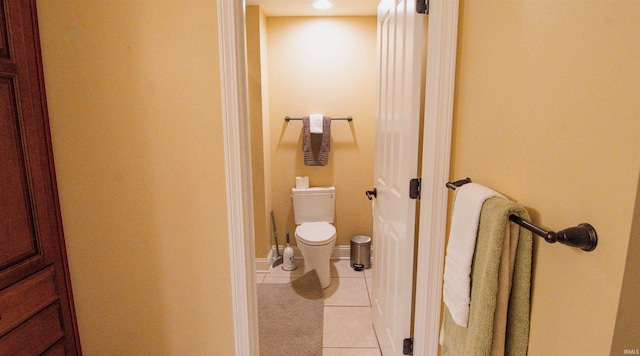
(396,163)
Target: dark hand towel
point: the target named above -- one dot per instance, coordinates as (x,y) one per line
(316,146)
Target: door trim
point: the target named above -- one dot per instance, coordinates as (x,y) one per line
(441,59)
(235,121)
(436,157)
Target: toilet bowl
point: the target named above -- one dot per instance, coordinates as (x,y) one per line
(315,241)
(313,210)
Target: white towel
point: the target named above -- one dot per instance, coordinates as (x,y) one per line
(315,123)
(462,242)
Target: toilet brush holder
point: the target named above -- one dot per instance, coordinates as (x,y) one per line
(288,263)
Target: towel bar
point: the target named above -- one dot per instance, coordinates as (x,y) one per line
(348,118)
(583,236)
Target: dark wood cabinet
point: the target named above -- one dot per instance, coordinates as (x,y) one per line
(36,305)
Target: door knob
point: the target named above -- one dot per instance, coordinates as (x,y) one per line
(371,193)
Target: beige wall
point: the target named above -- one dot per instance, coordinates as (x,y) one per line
(323,65)
(256,23)
(133,91)
(546,111)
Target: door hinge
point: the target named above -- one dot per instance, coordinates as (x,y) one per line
(414,188)
(407,346)
(422,7)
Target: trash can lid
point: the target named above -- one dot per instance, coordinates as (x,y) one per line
(361,239)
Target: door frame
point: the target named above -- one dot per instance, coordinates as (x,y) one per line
(441,66)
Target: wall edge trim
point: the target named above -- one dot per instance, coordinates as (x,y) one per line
(233,78)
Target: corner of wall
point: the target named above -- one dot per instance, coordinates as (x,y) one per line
(627,329)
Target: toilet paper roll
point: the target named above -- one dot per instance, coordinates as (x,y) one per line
(302,182)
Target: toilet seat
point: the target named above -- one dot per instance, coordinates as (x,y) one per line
(316,233)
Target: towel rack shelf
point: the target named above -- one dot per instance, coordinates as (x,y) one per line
(348,118)
(583,236)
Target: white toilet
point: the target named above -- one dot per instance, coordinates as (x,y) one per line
(313,210)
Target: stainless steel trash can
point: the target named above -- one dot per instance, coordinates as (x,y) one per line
(360,252)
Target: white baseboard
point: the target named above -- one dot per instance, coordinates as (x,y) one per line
(341,252)
(263,265)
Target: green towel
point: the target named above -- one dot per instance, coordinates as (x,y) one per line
(477,337)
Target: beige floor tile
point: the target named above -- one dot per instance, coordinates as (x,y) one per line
(260,277)
(368,273)
(348,327)
(369,282)
(350,351)
(347,292)
(342,269)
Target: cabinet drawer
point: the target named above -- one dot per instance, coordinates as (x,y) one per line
(56,350)
(36,335)
(24,299)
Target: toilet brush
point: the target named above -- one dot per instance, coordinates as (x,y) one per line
(288,259)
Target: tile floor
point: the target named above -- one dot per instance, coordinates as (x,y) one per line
(348,327)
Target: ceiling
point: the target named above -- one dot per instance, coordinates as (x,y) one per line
(304,8)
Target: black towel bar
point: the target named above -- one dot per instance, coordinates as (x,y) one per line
(583,236)
(348,118)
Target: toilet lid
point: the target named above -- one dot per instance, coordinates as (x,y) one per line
(316,233)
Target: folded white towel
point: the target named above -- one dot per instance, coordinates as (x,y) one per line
(315,123)
(462,242)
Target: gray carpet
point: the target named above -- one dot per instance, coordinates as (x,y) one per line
(290,317)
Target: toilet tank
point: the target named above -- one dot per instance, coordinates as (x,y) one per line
(313,204)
